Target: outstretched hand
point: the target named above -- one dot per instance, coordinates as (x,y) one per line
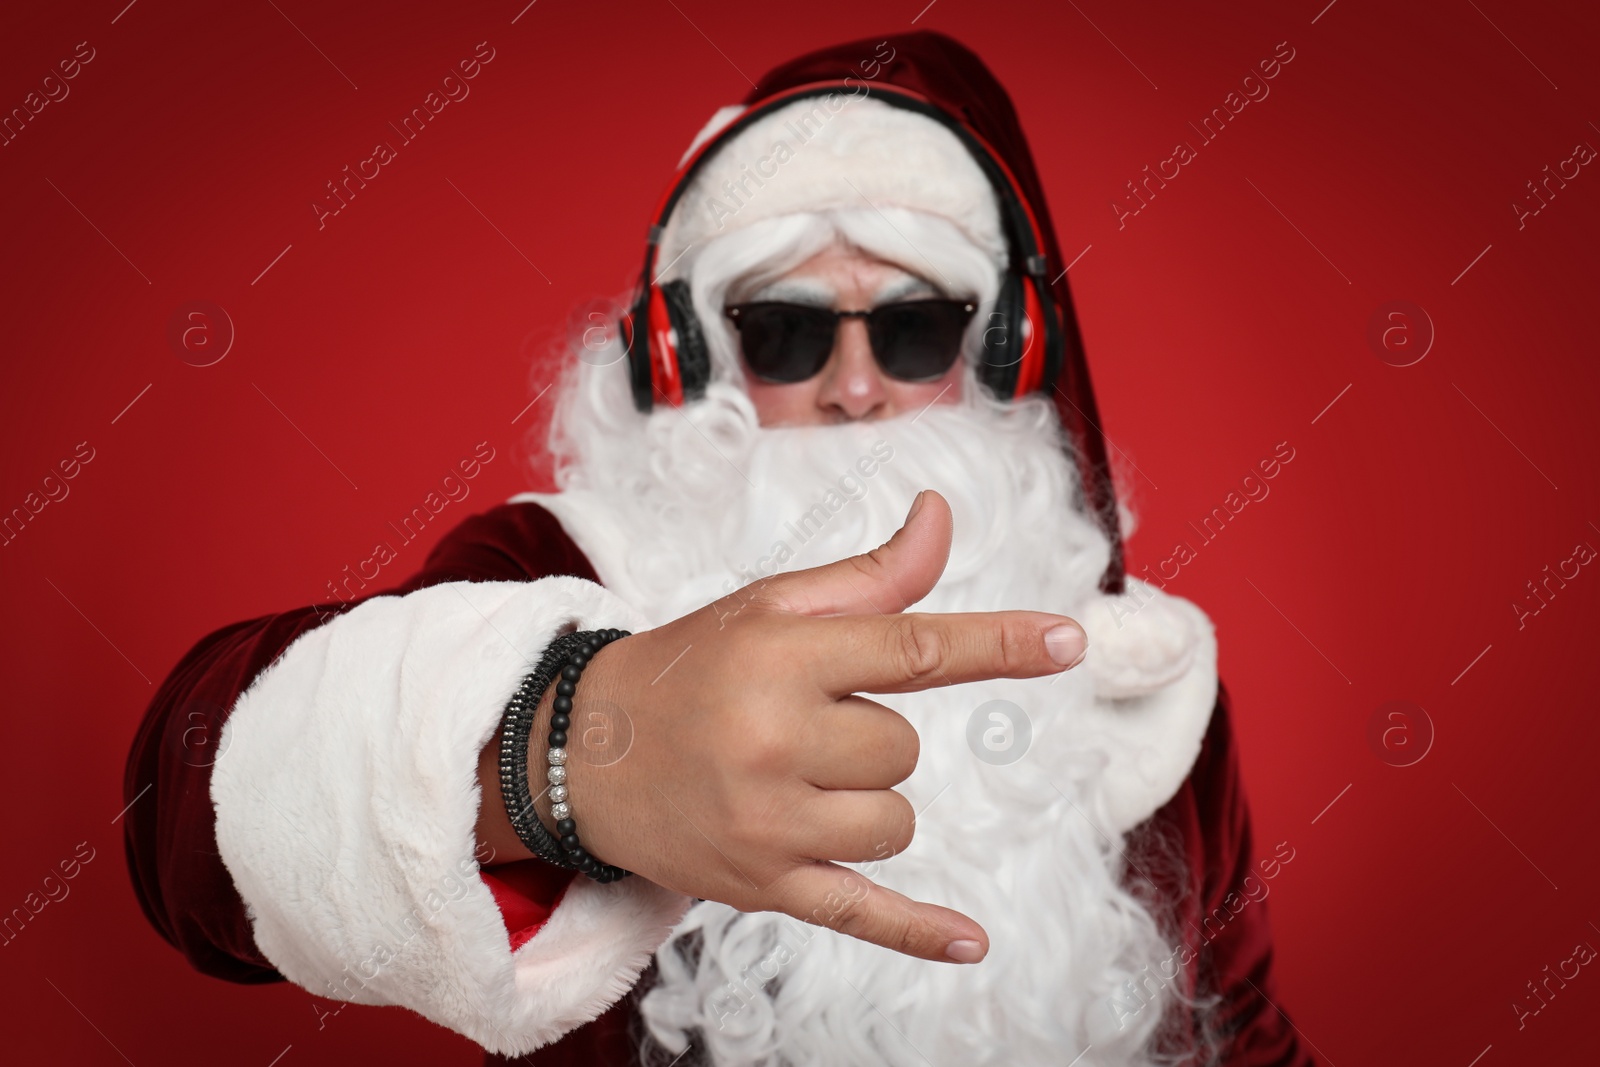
(755,769)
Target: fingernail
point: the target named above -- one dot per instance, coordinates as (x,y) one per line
(1067,644)
(964,951)
(916,506)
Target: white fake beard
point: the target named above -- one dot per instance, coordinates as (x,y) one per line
(706,501)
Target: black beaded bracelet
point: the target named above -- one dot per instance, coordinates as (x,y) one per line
(516,728)
(565,658)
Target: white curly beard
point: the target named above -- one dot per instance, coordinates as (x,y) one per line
(680,508)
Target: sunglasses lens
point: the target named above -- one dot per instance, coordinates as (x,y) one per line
(919,340)
(785,342)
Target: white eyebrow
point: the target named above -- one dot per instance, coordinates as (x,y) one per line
(908,285)
(812,292)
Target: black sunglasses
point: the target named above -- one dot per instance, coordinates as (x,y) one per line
(913,341)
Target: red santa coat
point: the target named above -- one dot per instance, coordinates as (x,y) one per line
(188,894)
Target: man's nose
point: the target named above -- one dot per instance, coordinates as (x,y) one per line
(853,385)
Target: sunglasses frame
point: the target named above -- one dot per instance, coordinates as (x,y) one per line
(735,311)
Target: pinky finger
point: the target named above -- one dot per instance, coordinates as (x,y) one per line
(848,902)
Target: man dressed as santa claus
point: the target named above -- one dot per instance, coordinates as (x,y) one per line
(664,768)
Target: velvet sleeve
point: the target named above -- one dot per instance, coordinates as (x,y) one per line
(178,875)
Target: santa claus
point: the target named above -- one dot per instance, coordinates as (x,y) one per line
(1027,845)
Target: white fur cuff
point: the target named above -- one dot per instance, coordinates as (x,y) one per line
(347,798)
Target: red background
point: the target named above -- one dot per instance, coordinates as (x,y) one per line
(1223,319)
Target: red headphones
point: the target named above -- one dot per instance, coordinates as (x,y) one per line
(1023,343)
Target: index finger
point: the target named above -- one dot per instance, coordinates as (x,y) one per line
(921,650)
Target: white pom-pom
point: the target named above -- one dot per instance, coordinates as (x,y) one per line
(1139,642)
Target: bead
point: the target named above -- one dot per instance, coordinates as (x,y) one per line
(562,704)
(558,793)
(570,842)
(556,757)
(587,864)
(557,774)
(565,827)
(566,687)
(571,674)
(560,810)
(558,739)
(560,722)
(579,659)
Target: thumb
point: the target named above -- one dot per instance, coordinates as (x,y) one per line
(848,902)
(887,580)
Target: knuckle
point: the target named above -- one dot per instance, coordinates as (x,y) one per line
(870,564)
(850,915)
(893,930)
(745,827)
(767,593)
(922,649)
(764,747)
(764,825)
(1015,645)
(741,639)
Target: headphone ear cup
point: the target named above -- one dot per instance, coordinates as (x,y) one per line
(694,358)
(1036,341)
(635,329)
(1003,340)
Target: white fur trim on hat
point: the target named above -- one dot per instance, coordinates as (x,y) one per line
(842,150)
(1139,642)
